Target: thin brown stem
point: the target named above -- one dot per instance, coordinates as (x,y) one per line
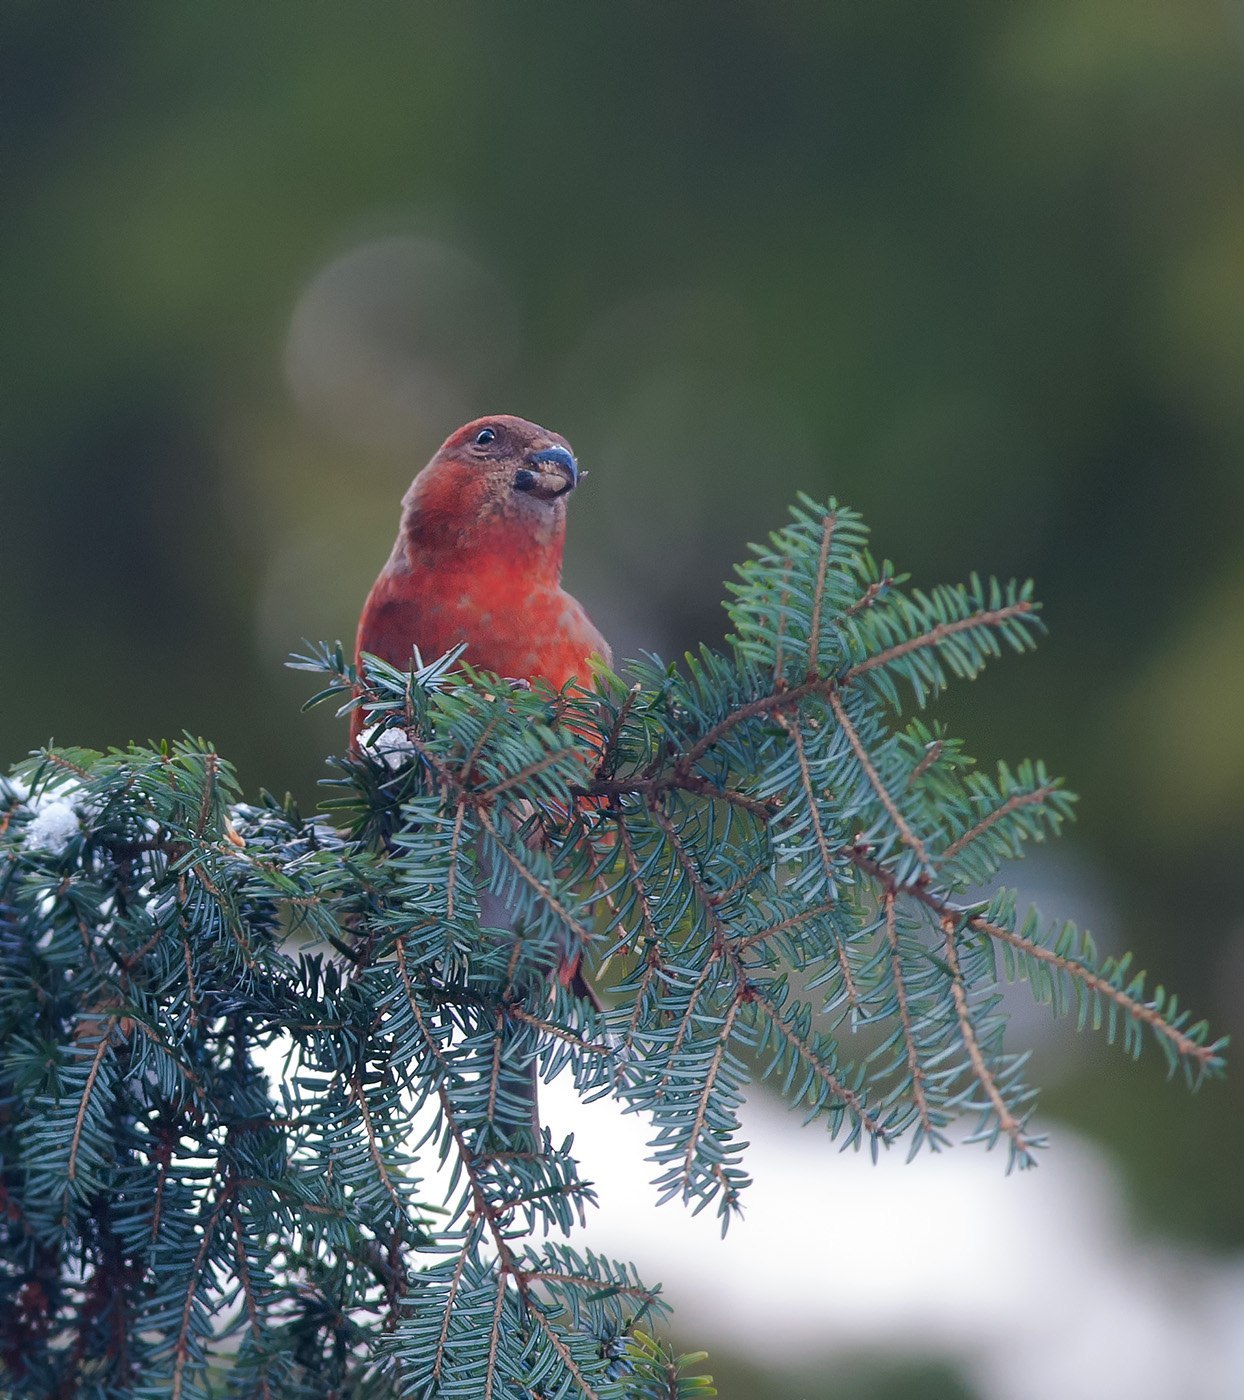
(615,729)
(1146,1014)
(212,765)
(373,1145)
(181,1348)
(539,765)
(832,1082)
(818,597)
(559,1346)
(706,1089)
(494,1338)
(455,840)
(558,1032)
(909,836)
(529,879)
(868,597)
(928,758)
(792,921)
(455,1283)
(791,726)
(1012,804)
(429,1039)
(935,636)
(673,781)
(75,1141)
(751,709)
(985,1077)
(915,1067)
(248,1288)
(1094,981)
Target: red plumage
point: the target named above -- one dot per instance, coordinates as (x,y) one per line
(478,559)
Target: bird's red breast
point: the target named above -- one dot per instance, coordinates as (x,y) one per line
(478,560)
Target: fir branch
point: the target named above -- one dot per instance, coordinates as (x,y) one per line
(676,781)
(781,925)
(836,1088)
(818,597)
(211,765)
(1204,1055)
(700,1119)
(181,1345)
(1035,798)
(746,990)
(247,1286)
(563,1033)
(930,756)
(429,1040)
(494,1338)
(1007,1122)
(610,746)
(779,659)
(75,1140)
(588,1285)
(498,1034)
(523,776)
(688,1016)
(936,635)
(373,1145)
(791,726)
(909,837)
(915,1067)
(530,880)
(767,704)
(455,1283)
(869,596)
(559,1346)
(477,748)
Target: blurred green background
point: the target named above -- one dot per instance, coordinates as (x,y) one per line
(977,269)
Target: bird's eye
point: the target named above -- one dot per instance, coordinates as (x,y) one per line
(485,436)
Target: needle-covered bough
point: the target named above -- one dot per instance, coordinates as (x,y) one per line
(256,1121)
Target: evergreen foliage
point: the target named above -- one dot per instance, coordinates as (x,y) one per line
(754,852)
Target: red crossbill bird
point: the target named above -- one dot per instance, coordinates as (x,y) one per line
(478,560)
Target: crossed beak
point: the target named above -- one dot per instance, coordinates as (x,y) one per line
(549,473)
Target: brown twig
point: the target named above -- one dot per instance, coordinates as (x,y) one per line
(181,1349)
(699,1122)
(1012,804)
(1007,1121)
(75,1140)
(818,597)
(936,635)
(779,659)
(560,1347)
(1094,981)
(791,726)
(909,836)
(915,1067)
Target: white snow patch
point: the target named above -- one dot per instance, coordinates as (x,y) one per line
(391,747)
(54,826)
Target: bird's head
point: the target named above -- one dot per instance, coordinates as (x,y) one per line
(497,478)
